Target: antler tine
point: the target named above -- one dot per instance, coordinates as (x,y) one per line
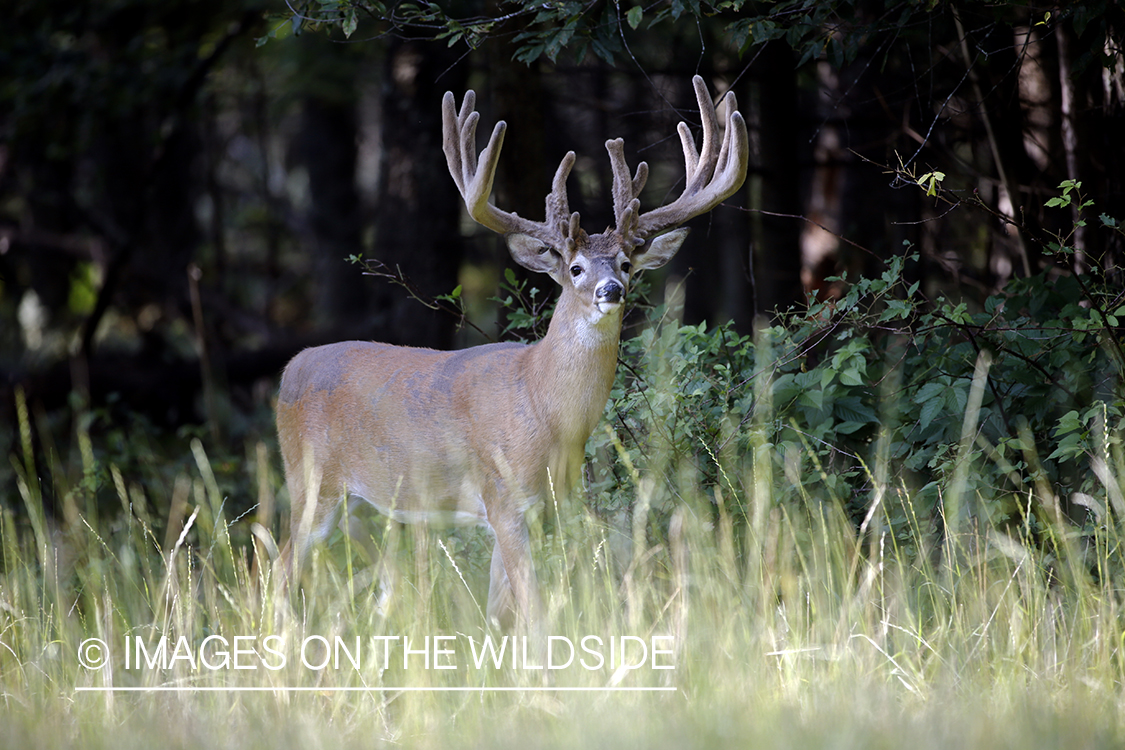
(559,218)
(625,190)
(474,176)
(713,173)
(452,126)
(702,165)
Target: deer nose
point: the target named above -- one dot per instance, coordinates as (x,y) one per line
(610,291)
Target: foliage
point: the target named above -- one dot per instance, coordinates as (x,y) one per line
(989,416)
(836,31)
(528,311)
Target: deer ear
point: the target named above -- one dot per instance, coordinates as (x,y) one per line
(533,254)
(659,250)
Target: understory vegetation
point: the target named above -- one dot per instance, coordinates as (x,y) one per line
(884,521)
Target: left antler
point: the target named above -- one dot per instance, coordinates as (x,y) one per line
(714,173)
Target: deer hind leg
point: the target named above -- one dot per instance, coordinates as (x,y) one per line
(358,523)
(501,605)
(316,505)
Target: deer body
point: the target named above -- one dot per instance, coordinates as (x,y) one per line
(421,434)
(480,435)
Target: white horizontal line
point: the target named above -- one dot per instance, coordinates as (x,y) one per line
(303,689)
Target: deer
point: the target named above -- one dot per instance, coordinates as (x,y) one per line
(481,435)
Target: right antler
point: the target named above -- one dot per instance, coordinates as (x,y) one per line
(474,177)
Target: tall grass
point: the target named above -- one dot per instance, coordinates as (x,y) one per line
(791,629)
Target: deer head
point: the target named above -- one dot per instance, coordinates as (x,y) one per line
(713,174)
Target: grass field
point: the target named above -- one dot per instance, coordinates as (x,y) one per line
(793,629)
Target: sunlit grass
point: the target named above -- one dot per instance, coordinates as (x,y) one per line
(793,629)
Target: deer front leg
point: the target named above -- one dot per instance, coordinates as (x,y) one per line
(513,594)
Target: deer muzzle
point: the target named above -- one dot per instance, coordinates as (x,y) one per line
(609,291)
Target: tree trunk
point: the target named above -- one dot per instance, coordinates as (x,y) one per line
(775,186)
(417,220)
(326,148)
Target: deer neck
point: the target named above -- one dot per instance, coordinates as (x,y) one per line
(573,367)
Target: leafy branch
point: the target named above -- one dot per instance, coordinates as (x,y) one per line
(451,303)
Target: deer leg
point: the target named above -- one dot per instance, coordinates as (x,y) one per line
(313,527)
(501,608)
(357,523)
(295,552)
(513,596)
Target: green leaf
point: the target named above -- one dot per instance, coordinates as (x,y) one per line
(634,16)
(930,180)
(931,390)
(1069,448)
(741,34)
(1069,422)
(813,398)
(847,428)
(529,53)
(852,409)
(827,376)
(896,310)
(930,410)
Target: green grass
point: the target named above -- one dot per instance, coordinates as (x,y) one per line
(794,629)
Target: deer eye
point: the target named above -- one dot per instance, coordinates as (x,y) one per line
(575,270)
(626,267)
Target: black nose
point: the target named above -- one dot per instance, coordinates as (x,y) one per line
(610,291)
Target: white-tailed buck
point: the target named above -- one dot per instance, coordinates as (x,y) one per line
(478,436)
